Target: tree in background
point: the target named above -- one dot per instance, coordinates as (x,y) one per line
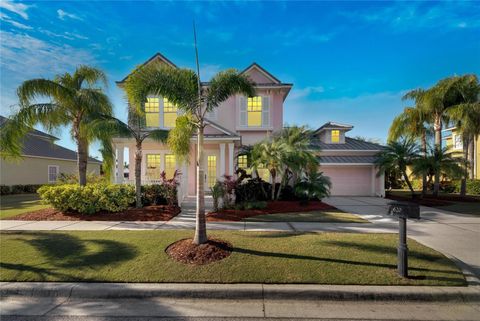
(396,156)
(75,101)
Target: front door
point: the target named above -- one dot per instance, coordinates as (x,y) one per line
(211,169)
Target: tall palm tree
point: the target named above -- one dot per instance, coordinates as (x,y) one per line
(135,129)
(270,155)
(183,88)
(436,101)
(75,100)
(397,155)
(412,123)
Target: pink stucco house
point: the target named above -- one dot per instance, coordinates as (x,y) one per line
(245,121)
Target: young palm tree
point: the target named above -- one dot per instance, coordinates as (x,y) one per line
(313,186)
(397,156)
(270,155)
(183,88)
(412,123)
(75,101)
(113,127)
(438,161)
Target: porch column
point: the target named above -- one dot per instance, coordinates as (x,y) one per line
(222,160)
(113,176)
(230,159)
(120,165)
(373,180)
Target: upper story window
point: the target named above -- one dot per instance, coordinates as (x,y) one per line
(335,136)
(457,142)
(152,110)
(160,112)
(255,111)
(169,113)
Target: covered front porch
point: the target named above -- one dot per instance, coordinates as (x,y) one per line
(219,158)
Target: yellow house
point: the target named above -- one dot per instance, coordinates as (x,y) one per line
(453,140)
(42,161)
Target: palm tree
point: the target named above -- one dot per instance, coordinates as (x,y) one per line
(75,101)
(113,127)
(412,123)
(183,88)
(397,155)
(436,101)
(298,156)
(438,161)
(270,155)
(313,185)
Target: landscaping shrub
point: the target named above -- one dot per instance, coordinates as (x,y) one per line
(163,193)
(17,189)
(252,190)
(288,194)
(5,190)
(255,205)
(448,186)
(217,193)
(73,178)
(473,186)
(88,199)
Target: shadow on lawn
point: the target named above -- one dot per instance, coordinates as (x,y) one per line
(456,277)
(63,252)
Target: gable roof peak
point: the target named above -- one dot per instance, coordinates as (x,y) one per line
(156,56)
(334,125)
(262,70)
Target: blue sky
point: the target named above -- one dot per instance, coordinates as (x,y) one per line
(349,61)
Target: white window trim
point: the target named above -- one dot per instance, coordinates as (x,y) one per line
(246,127)
(162,154)
(48,173)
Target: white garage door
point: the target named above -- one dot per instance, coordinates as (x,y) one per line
(349,180)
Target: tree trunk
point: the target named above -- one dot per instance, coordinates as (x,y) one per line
(200,226)
(424,175)
(82,160)
(405,176)
(437,126)
(272,173)
(471,158)
(138,175)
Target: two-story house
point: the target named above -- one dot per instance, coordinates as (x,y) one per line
(454,141)
(240,121)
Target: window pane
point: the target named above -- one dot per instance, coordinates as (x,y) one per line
(169,166)
(254,119)
(211,170)
(152,119)
(335,136)
(153,166)
(242,161)
(169,119)
(254,110)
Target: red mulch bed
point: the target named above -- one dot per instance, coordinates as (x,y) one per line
(272,208)
(187,252)
(147,213)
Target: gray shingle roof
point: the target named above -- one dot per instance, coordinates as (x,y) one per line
(347,159)
(350,144)
(334,125)
(40,144)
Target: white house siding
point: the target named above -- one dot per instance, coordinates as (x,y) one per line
(33,170)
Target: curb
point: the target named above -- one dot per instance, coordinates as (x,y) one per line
(305,292)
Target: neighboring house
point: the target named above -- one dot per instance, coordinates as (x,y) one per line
(348,162)
(454,141)
(238,121)
(42,161)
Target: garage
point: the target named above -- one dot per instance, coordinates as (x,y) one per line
(348,180)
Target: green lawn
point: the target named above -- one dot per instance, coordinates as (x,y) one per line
(313,216)
(139,256)
(12,205)
(472,208)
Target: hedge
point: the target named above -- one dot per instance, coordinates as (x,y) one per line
(473,186)
(19,189)
(88,199)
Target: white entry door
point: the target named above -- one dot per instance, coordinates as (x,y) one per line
(211,168)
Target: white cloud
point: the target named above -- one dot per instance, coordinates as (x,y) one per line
(207,71)
(63,14)
(15,7)
(14,23)
(25,57)
(304,92)
(300,36)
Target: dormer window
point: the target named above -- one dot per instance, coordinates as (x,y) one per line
(335,136)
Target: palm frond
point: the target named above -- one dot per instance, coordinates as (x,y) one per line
(225,84)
